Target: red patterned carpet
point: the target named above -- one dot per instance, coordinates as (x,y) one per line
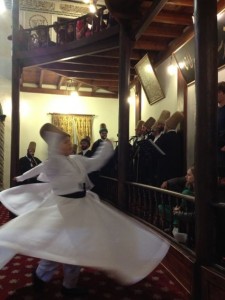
(16,282)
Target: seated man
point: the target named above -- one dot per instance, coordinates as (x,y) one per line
(28,162)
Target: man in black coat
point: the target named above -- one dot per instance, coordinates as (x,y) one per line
(85,145)
(28,162)
(170,142)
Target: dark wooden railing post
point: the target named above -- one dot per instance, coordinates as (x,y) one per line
(205,15)
(124,80)
(16,73)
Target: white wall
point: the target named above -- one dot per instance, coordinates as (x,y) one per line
(34,112)
(35,109)
(191,117)
(169,86)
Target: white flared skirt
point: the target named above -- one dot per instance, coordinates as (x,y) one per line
(84,231)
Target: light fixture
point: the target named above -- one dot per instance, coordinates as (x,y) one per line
(2,7)
(171,69)
(92,5)
(72,88)
(74,94)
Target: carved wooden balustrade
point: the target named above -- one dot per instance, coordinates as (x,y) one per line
(154,206)
(64,32)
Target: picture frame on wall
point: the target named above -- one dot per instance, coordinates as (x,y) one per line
(185,55)
(221,39)
(185,58)
(149,80)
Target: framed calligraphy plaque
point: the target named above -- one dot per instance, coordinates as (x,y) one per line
(149,80)
(221,39)
(185,58)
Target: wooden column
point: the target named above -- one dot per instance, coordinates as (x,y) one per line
(16,73)
(2,140)
(137,101)
(124,78)
(205,14)
(182,106)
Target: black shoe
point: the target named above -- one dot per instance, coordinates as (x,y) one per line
(38,284)
(77,291)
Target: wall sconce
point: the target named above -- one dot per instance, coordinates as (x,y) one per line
(171,69)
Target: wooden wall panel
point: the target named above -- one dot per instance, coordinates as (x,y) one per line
(213,284)
(181,267)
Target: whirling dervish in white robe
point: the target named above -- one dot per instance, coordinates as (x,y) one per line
(60,221)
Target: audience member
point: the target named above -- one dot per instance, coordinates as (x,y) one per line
(43,36)
(28,162)
(179,215)
(94,176)
(184,212)
(103,131)
(85,145)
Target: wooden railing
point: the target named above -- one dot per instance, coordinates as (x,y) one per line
(63,32)
(154,206)
(142,202)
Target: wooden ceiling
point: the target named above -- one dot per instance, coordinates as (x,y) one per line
(157,27)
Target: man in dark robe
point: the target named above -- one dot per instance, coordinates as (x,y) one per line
(28,162)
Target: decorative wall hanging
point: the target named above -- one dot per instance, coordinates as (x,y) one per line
(185,58)
(221,40)
(149,80)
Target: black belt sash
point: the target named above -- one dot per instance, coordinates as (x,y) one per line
(81,194)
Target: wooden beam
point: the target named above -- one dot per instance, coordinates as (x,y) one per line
(95,61)
(188,34)
(173,18)
(104,83)
(83,47)
(187,3)
(110,88)
(41,78)
(175,45)
(150,45)
(61,79)
(154,9)
(182,3)
(76,75)
(67,93)
(60,66)
(163,31)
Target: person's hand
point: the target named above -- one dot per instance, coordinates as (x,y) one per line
(223,149)
(164,185)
